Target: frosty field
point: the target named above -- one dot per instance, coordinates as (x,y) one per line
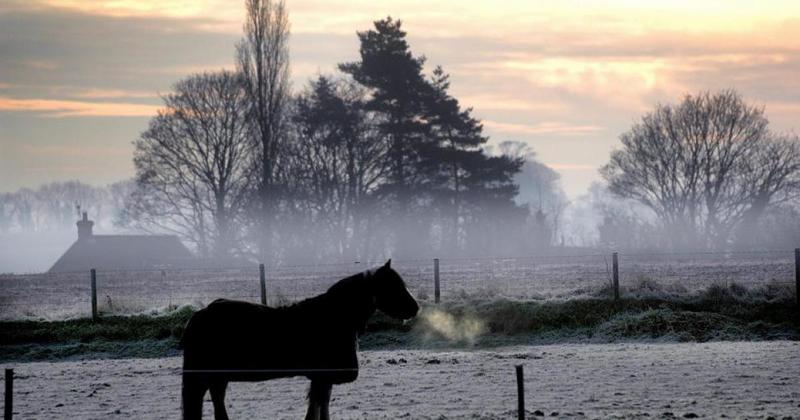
(735,379)
(67,295)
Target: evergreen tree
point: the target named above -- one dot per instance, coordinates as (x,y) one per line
(470,186)
(437,165)
(399,92)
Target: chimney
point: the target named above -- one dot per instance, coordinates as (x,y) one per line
(85,227)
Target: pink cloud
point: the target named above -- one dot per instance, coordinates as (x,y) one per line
(63,108)
(557,128)
(95,93)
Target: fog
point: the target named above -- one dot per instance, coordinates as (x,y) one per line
(38,226)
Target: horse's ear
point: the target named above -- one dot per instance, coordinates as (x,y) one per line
(388,264)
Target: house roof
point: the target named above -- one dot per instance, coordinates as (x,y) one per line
(110,252)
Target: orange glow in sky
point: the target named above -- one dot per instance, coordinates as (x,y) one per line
(566,77)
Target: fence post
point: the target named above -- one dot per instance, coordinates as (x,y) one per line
(93,273)
(169,289)
(615,274)
(520,393)
(263,278)
(436,290)
(797,275)
(9,409)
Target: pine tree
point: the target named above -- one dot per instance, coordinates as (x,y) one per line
(471,186)
(399,92)
(437,164)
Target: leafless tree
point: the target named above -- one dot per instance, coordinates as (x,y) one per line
(771,177)
(540,190)
(57,203)
(335,160)
(703,166)
(263,60)
(53,207)
(194,164)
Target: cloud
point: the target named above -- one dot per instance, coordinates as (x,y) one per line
(554,128)
(490,101)
(571,167)
(94,153)
(57,47)
(575,71)
(96,93)
(63,108)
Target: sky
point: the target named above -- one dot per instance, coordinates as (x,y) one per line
(79,79)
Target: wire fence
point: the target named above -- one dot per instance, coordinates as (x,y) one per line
(68,295)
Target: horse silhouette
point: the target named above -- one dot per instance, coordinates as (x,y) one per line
(316,338)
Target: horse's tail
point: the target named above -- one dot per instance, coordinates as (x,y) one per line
(182,341)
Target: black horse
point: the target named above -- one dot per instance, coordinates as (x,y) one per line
(316,338)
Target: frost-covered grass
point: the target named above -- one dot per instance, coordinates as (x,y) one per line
(756,380)
(167,326)
(60,296)
(649,312)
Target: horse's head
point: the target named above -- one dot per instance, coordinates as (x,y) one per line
(391,295)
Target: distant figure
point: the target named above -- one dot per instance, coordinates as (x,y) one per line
(316,338)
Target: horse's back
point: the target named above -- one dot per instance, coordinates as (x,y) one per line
(241,336)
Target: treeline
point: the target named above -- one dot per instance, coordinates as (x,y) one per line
(54,206)
(379,159)
(376,159)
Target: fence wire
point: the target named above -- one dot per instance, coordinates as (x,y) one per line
(66,295)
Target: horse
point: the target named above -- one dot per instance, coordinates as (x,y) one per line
(317,338)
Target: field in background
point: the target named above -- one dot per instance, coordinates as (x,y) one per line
(67,295)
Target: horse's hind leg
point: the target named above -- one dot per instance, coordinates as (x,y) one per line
(318,398)
(217,390)
(326,399)
(192,392)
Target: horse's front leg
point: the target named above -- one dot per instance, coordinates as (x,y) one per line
(318,398)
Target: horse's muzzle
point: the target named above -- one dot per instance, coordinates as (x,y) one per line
(412,312)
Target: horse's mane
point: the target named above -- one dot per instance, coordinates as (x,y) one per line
(348,283)
(354,297)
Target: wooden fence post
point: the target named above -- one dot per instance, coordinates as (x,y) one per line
(436,290)
(9,409)
(520,393)
(93,273)
(615,274)
(263,278)
(164,284)
(797,275)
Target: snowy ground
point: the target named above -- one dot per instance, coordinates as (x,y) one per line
(745,379)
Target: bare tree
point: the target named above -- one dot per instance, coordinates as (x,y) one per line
(263,59)
(57,203)
(771,177)
(194,164)
(700,166)
(539,190)
(335,160)
(52,207)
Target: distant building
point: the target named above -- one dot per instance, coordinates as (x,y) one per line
(121,252)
